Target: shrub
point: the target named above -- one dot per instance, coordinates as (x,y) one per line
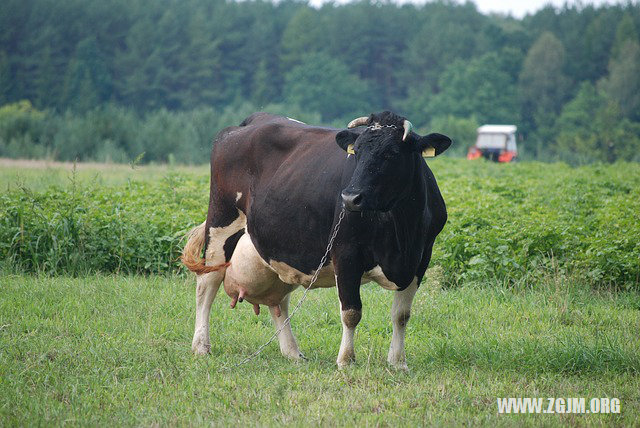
(512,223)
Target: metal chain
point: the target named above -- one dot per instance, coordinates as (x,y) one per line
(314,278)
(377,126)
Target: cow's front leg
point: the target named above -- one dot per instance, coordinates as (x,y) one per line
(400,313)
(350,313)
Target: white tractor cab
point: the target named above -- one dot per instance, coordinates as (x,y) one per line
(496,143)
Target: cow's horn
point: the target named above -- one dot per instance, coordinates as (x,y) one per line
(407,128)
(358,122)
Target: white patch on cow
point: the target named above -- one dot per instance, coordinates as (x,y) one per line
(219,235)
(209,283)
(288,345)
(378,276)
(327,277)
(400,313)
(291,275)
(238,196)
(350,319)
(294,120)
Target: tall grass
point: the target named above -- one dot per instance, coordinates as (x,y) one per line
(508,223)
(135,227)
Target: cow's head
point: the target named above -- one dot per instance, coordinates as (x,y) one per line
(385,152)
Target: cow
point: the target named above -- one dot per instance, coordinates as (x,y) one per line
(278,187)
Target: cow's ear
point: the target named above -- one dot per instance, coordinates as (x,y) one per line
(345,139)
(433,144)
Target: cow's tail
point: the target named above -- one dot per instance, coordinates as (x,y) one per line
(191,254)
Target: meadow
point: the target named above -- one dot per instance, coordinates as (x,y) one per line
(106,350)
(533,292)
(507,223)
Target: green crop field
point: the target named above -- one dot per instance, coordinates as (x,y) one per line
(533,292)
(507,223)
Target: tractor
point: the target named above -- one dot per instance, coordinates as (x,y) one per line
(496,143)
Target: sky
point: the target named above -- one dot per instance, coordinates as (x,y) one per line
(517,8)
(520,8)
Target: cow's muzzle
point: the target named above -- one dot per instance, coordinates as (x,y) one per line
(352,200)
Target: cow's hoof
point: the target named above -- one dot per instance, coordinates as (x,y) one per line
(200,348)
(399,365)
(295,356)
(345,358)
(346,362)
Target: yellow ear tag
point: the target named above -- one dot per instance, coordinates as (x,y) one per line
(350,149)
(429,152)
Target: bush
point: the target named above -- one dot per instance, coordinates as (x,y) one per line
(512,223)
(132,228)
(24,131)
(515,222)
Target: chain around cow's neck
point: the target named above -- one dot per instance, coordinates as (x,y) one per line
(314,278)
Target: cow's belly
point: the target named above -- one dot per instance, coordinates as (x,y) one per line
(326,278)
(291,275)
(267,283)
(379,277)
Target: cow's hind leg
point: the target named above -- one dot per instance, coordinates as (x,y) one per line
(207,286)
(288,345)
(400,313)
(209,283)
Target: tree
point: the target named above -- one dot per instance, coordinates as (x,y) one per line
(593,47)
(370,38)
(6,82)
(625,31)
(138,63)
(478,87)
(577,137)
(542,83)
(324,85)
(302,35)
(88,80)
(591,128)
(264,90)
(201,65)
(449,32)
(622,85)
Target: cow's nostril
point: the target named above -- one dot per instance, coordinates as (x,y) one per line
(356,200)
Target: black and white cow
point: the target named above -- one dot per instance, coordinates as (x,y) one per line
(277,188)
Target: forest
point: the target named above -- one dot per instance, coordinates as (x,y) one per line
(118,80)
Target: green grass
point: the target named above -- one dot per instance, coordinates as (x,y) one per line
(40,175)
(109,350)
(511,224)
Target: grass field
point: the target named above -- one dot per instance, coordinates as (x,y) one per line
(42,174)
(105,350)
(533,292)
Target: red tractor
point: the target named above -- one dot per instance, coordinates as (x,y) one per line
(496,143)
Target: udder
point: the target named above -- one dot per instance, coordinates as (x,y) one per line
(249,278)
